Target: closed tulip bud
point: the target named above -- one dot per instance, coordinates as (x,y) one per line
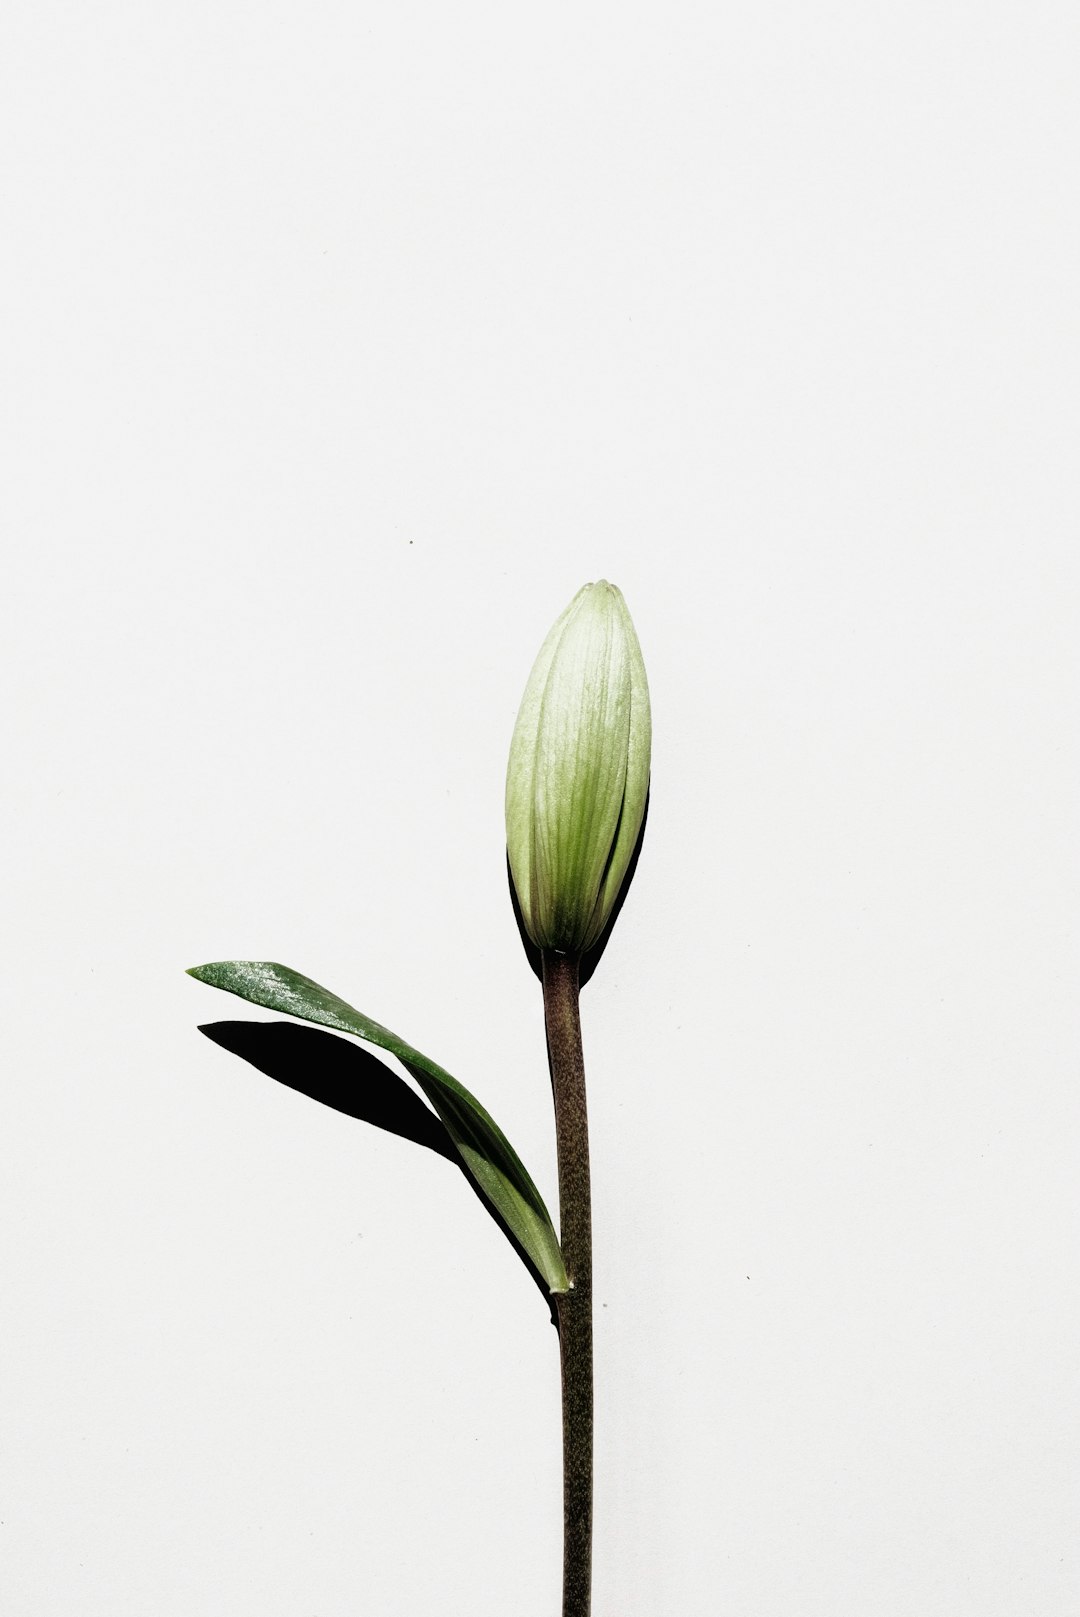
(579,772)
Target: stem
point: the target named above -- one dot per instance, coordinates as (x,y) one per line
(563,1024)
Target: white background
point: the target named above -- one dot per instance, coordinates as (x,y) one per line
(341,344)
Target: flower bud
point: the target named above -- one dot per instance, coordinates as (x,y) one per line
(579,772)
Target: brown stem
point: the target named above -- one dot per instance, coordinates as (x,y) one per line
(563,1024)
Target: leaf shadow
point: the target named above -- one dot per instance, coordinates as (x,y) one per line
(337,1073)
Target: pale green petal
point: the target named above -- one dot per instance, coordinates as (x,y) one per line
(520,803)
(638,768)
(578,772)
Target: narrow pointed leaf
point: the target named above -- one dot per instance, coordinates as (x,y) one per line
(484,1148)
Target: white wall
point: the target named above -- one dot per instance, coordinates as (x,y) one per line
(341,344)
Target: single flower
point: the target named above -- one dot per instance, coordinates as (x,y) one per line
(578,775)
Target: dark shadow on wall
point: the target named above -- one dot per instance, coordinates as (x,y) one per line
(351,1080)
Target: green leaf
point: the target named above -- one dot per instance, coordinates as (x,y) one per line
(484,1148)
